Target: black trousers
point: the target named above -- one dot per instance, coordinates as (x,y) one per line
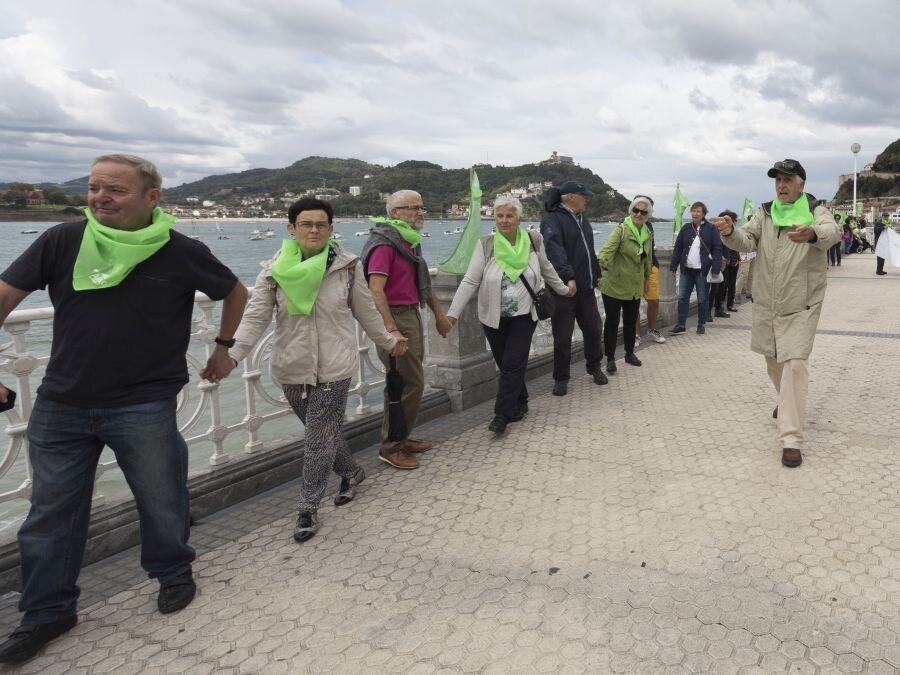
(629,311)
(725,290)
(879,262)
(510,344)
(583,309)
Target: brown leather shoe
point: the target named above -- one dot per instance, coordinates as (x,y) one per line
(415,445)
(398,459)
(791,457)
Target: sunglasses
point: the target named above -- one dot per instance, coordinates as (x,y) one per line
(786,165)
(639,211)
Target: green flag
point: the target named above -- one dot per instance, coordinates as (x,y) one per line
(458,262)
(681,203)
(747,211)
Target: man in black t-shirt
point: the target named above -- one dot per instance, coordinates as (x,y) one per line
(122,285)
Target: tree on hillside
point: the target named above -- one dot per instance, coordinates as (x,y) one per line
(889,159)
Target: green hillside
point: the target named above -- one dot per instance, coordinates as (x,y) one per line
(439,187)
(888,161)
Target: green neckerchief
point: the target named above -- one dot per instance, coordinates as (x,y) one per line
(107,255)
(787,214)
(410,234)
(300,279)
(512,259)
(641,235)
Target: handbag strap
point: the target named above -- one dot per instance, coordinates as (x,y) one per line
(528,286)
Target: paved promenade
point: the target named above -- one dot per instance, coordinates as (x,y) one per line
(646,526)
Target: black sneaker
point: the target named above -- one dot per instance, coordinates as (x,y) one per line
(307,526)
(600,378)
(498,426)
(347,491)
(560,388)
(611,367)
(27,640)
(632,359)
(676,330)
(722,315)
(176,594)
(701,330)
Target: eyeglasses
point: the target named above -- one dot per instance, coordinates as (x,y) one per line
(412,207)
(642,212)
(307,225)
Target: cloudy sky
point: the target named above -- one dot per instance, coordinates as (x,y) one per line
(644,93)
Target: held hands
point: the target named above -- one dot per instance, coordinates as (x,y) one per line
(443,325)
(401,346)
(219,366)
(4,392)
(573,289)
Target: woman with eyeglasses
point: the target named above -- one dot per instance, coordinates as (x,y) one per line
(501,266)
(626,260)
(315,288)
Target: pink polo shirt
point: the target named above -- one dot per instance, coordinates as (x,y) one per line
(400,287)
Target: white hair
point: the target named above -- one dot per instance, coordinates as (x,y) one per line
(399,197)
(500,202)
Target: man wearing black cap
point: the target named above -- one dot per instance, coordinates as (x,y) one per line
(790,236)
(570,248)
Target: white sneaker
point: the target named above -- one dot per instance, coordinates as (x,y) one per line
(637,340)
(655,336)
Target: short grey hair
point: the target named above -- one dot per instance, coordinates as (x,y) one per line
(500,202)
(399,197)
(149,173)
(641,199)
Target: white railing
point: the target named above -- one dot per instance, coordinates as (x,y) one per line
(207,413)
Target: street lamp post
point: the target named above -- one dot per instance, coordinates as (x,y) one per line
(855,148)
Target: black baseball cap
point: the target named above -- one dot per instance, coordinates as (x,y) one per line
(788,166)
(571,187)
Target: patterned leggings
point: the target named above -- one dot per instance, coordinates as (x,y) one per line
(321,409)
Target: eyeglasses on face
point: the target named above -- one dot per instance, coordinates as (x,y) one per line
(308,225)
(642,212)
(412,207)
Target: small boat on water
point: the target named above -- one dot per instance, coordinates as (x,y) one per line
(29,231)
(363,233)
(447,232)
(426,234)
(256,235)
(193,234)
(219,230)
(458,230)
(269,232)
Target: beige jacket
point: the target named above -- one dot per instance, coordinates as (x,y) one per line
(320,347)
(788,282)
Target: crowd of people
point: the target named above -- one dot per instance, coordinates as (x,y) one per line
(122,283)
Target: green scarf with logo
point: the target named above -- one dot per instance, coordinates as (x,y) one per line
(641,235)
(786,214)
(299,279)
(410,234)
(512,259)
(108,255)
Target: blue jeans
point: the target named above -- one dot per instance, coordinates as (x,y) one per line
(689,279)
(64,447)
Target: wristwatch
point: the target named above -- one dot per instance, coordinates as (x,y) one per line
(225,343)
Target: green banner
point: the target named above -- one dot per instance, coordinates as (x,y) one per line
(458,262)
(680,204)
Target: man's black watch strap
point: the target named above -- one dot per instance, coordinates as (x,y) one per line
(225,343)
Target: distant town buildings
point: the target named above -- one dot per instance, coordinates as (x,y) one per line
(355,190)
(558,159)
